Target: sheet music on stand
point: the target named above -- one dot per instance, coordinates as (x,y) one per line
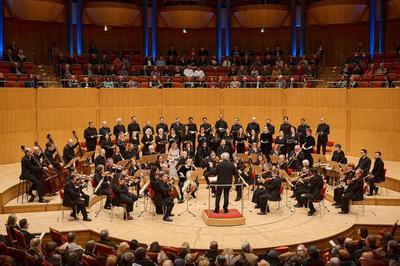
(274,159)
(124,163)
(87,155)
(243,156)
(72,162)
(149,158)
(319,158)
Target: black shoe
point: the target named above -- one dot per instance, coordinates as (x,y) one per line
(370,194)
(376,190)
(73,215)
(43,201)
(167,219)
(268,210)
(311,213)
(208,186)
(32,198)
(342,212)
(261,213)
(87,219)
(337,206)
(171,215)
(226,211)
(256,207)
(181,201)
(334,204)
(129,218)
(298,206)
(216,211)
(194,196)
(237,199)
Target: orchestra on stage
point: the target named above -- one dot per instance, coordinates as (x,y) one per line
(164,162)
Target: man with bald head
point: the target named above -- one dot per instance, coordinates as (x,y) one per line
(104,130)
(69,151)
(253,125)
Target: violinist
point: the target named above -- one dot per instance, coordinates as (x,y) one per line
(308,146)
(261,188)
(266,142)
(111,167)
(107,145)
(253,149)
(313,191)
(210,164)
(280,144)
(117,156)
(163,192)
(300,185)
(203,152)
(338,155)
(184,175)
(201,137)
(221,125)
(353,191)
(119,127)
(192,128)
(122,195)
(161,141)
(130,152)
(173,137)
(281,163)
(271,192)
(162,124)
(205,126)
(75,198)
(104,130)
(147,140)
(223,148)
(348,174)
(69,152)
(240,141)
(120,142)
(292,139)
(296,158)
(104,188)
(101,158)
(241,168)
(29,172)
(132,127)
(90,135)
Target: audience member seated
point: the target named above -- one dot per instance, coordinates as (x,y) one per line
(105,239)
(23,227)
(35,248)
(50,253)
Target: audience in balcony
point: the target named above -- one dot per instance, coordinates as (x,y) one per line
(93,49)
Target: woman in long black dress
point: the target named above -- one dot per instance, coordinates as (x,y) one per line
(266,143)
(240,141)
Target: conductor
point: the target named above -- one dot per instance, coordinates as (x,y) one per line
(225,171)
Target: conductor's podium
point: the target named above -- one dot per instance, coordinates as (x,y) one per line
(232,218)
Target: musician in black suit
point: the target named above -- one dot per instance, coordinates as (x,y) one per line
(122,195)
(29,172)
(203,152)
(90,134)
(272,192)
(164,193)
(161,124)
(338,155)
(235,128)
(285,126)
(221,126)
(104,130)
(226,172)
(365,162)
(178,126)
(377,174)
(322,133)
(119,127)
(69,151)
(75,198)
(270,126)
(295,159)
(104,188)
(301,130)
(338,191)
(354,191)
(308,146)
(253,125)
(206,126)
(314,191)
(132,127)
(192,130)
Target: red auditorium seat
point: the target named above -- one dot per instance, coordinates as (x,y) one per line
(143,84)
(176,85)
(367,78)
(379,77)
(376,84)
(76,69)
(12,84)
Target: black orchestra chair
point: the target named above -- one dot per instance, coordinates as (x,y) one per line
(22,188)
(321,201)
(113,205)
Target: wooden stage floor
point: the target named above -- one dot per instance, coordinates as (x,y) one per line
(271,230)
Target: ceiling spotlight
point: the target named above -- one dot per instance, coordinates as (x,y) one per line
(184,31)
(262,30)
(105,28)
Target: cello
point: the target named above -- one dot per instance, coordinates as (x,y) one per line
(82,167)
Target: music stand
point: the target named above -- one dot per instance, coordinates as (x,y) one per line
(285,176)
(146,198)
(87,155)
(124,163)
(72,162)
(319,158)
(184,188)
(274,159)
(152,158)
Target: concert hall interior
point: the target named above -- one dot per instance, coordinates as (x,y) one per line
(200,132)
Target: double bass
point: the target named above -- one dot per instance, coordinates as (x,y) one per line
(49,177)
(82,167)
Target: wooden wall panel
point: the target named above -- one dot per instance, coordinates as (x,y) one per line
(359,118)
